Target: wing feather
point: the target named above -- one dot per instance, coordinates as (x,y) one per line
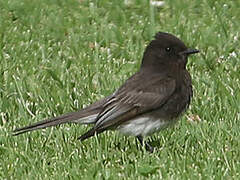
(127,103)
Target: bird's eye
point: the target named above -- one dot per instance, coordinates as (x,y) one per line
(168,49)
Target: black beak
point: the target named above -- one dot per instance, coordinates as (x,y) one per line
(190,51)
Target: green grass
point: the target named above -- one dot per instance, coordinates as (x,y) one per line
(57,56)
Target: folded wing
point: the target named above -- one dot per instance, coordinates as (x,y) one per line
(127,103)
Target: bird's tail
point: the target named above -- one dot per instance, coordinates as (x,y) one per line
(84,116)
(68,118)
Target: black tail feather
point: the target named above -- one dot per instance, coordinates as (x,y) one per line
(75,117)
(84,116)
(43,124)
(90,133)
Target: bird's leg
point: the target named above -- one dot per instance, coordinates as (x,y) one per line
(147,146)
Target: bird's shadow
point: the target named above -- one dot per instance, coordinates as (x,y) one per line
(154,143)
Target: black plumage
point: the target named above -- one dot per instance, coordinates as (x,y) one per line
(150,100)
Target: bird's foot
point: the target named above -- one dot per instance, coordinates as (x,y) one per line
(148,147)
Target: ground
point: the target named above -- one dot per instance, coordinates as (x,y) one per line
(59,56)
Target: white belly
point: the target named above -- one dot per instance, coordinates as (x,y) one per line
(144,126)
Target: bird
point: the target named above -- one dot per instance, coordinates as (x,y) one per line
(150,100)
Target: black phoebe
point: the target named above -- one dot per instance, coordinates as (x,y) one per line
(147,102)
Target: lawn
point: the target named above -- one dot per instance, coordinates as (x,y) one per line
(59,56)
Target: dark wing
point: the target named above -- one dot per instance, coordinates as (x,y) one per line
(132,100)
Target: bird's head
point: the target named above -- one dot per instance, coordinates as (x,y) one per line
(166,49)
